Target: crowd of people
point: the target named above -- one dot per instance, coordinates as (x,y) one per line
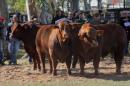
(78,17)
(75,17)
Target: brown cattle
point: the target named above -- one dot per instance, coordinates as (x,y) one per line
(77,50)
(114,42)
(89,48)
(27,35)
(53,41)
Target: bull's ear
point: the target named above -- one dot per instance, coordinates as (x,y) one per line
(81,36)
(99,32)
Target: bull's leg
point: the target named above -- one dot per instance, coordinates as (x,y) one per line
(38,62)
(75,60)
(35,63)
(43,63)
(54,61)
(68,64)
(96,61)
(82,64)
(118,57)
(118,65)
(54,65)
(118,61)
(50,62)
(42,57)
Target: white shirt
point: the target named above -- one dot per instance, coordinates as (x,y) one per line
(127,24)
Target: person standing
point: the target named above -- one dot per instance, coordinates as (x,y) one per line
(96,19)
(13,45)
(1,41)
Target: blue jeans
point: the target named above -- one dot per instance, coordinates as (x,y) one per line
(13,47)
(1,50)
(30,59)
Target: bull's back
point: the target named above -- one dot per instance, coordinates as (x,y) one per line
(43,35)
(114,37)
(113,31)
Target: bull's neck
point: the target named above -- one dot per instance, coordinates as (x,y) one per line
(59,37)
(30,37)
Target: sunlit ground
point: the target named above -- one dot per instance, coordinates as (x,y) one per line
(23,74)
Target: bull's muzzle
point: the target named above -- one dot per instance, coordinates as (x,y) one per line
(92,43)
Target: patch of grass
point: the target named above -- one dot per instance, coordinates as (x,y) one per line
(78,82)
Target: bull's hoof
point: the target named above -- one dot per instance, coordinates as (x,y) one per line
(69,73)
(74,66)
(44,71)
(39,69)
(82,72)
(118,72)
(96,73)
(50,71)
(34,68)
(54,74)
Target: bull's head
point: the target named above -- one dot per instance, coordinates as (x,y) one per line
(89,34)
(18,30)
(65,29)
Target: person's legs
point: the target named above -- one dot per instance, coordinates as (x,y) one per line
(1,51)
(10,46)
(30,59)
(13,49)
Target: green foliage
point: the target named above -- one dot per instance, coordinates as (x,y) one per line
(46,5)
(41,3)
(17,5)
(69,82)
(127,3)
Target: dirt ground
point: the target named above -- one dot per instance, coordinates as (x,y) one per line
(24,72)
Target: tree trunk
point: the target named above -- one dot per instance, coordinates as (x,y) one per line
(68,5)
(74,5)
(85,5)
(89,2)
(32,7)
(99,4)
(3,9)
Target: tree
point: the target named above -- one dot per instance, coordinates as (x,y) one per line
(99,4)
(87,4)
(74,5)
(126,3)
(3,9)
(17,6)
